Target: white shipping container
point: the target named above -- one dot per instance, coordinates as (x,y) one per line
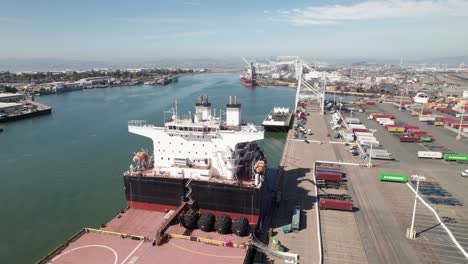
(363,134)
(382,119)
(368,142)
(390,122)
(430,154)
(465,129)
(386,156)
(352,120)
(366,138)
(356,126)
(427,118)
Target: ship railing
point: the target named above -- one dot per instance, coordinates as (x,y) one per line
(137,123)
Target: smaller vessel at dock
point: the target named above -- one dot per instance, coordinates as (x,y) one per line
(249,77)
(279,119)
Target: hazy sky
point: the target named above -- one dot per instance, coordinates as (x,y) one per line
(116,30)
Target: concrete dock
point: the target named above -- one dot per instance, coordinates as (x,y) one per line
(375,233)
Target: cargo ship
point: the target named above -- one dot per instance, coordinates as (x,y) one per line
(23,111)
(248,81)
(249,77)
(217,163)
(279,119)
(198,198)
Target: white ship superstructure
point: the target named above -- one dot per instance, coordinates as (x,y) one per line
(279,119)
(201,147)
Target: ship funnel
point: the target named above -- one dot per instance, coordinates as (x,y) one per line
(233,112)
(203,108)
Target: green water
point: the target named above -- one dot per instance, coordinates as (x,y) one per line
(62,172)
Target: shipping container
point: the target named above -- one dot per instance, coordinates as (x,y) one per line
(457,125)
(338,171)
(381,156)
(352,120)
(455,157)
(430,154)
(363,134)
(368,143)
(364,138)
(438,123)
(425,139)
(371,111)
(409,139)
(329,176)
(393,177)
(408,126)
(426,118)
(359,126)
(331,167)
(360,130)
(342,205)
(396,129)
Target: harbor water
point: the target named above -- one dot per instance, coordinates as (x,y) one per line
(63,172)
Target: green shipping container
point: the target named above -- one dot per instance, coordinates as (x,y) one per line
(426,139)
(393,177)
(371,111)
(455,157)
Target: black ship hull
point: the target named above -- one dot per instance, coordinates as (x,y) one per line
(163,194)
(24,116)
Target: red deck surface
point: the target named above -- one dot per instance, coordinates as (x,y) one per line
(102,249)
(136,222)
(106,248)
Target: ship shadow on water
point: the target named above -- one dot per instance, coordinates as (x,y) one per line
(292,194)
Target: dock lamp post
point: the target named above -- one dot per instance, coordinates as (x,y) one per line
(401,99)
(369,164)
(340,104)
(459,136)
(410,232)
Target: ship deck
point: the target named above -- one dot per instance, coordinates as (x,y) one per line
(121,241)
(151,173)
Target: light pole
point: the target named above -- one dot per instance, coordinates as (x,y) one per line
(410,232)
(459,137)
(401,99)
(369,164)
(340,104)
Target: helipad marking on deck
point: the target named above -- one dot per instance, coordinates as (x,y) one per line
(133,251)
(204,254)
(116,257)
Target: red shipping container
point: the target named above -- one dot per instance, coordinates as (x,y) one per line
(419,134)
(360,130)
(457,125)
(342,205)
(328,176)
(370,103)
(390,116)
(337,167)
(408,126)
(409,139)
